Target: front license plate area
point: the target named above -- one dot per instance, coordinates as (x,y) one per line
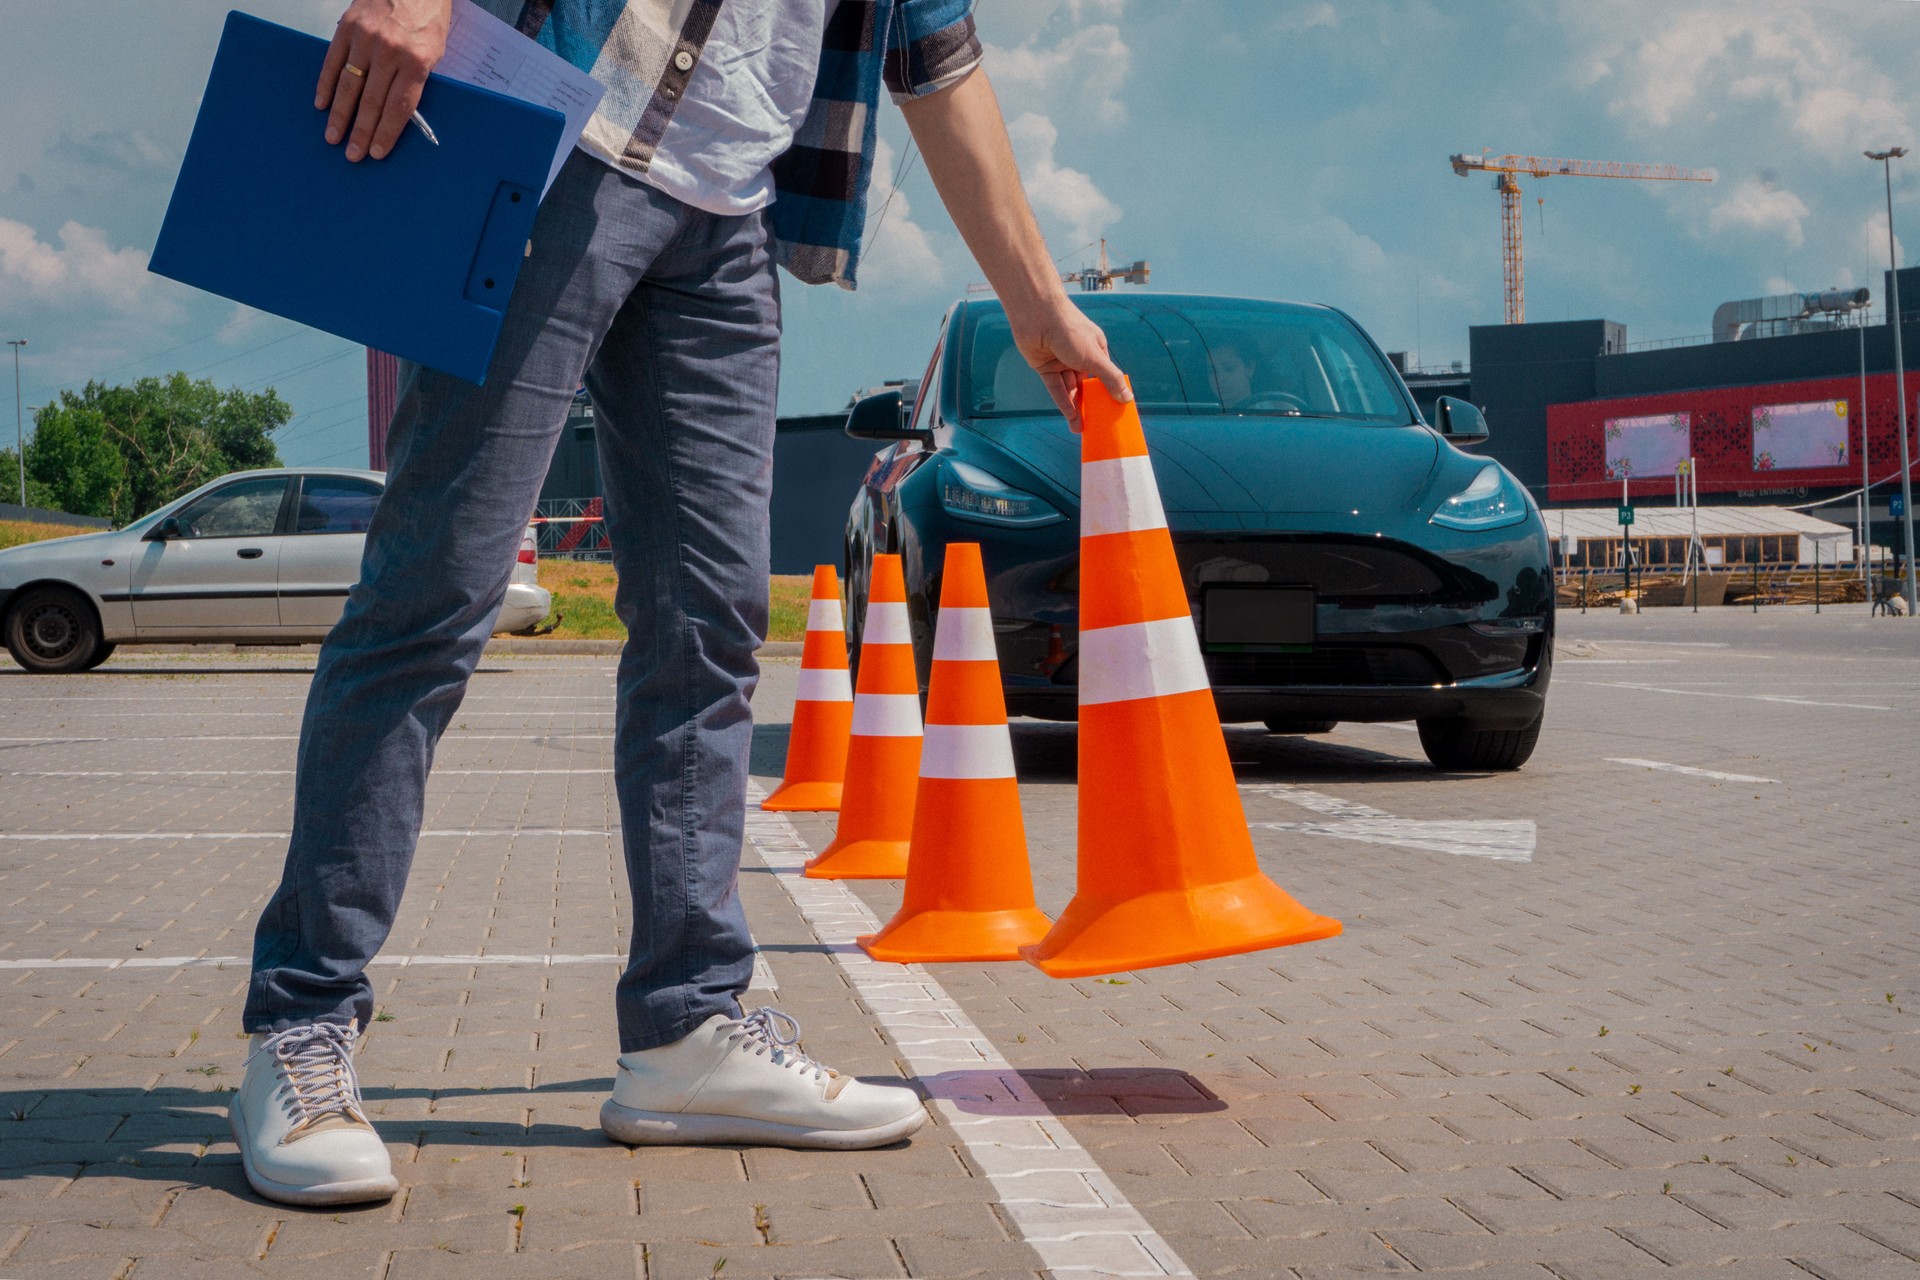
(1237,619)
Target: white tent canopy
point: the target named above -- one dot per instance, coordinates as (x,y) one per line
(1831,543)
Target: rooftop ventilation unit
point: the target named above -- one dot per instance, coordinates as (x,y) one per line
(1786,313)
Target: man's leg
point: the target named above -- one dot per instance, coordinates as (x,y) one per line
(467,463)
(684,388)
(685,385)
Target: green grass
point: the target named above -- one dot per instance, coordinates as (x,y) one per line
(14,533)
(583,601)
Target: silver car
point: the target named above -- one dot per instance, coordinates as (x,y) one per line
(256,557)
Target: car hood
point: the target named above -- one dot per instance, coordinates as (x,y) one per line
(1254,466)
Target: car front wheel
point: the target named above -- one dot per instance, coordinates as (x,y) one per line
(53,631)
(1458,745)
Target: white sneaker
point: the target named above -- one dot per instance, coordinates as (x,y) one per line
(743,1080)
(304,1136)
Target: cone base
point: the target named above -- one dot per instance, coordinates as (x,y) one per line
(931,937)
(804,797)
(1174,926)
(861,860)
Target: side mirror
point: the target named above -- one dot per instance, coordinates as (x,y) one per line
(1460,422)
(166,531)
(883,417)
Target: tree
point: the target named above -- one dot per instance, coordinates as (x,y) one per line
(120,452)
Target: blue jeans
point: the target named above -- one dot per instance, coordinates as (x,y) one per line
(672,317)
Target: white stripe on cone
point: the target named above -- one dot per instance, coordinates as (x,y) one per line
(887,715)
(886,623)
(1140,660)
(1119,495)
(824,685)
(964,635)
(824,615)
(967,751)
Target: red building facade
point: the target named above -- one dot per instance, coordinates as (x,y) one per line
(1589,442)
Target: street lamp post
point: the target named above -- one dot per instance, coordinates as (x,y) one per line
(1886,159)
(19,421)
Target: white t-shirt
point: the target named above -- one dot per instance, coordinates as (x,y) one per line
(744,103)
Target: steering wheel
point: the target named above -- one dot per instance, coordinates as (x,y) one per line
(1273,400)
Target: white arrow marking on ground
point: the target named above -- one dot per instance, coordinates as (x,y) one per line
(1501,839)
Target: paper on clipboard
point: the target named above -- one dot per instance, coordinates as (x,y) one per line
(482,50)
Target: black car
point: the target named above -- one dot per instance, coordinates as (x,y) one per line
(1344,559)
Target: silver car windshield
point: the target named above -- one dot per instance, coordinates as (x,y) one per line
(1201,356)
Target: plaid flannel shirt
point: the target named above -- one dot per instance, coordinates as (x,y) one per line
(645,51)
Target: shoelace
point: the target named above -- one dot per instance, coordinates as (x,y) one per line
(770,1031)
(317,1064)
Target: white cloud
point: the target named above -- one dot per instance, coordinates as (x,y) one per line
(1874,233)
(1719,60)
(1064,198)
(84,268)
(1762,205)
(1306,17)
(898,253)
(1082,66)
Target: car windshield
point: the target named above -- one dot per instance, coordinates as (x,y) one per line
(1201,356)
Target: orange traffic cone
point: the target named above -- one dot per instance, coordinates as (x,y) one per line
(883,757)
(969,892)
(822,708)
(1167,869)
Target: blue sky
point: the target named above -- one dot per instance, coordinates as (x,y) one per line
(1277,148)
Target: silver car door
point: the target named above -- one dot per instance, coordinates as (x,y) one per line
(221,575)
(321,559)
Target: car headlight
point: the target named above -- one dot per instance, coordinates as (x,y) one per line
(1493,501)
(978,495)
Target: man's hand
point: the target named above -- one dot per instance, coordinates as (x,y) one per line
(375,69)
(964,140)
(1063,346)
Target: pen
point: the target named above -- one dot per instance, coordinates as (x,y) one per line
(420,121)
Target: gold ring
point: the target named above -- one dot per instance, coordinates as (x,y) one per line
(354,71)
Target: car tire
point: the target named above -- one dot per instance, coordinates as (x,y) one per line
(1301,728)
(1458,745)
(53,631)
(101,652)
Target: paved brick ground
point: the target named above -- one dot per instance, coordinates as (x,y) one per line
(1672,1041)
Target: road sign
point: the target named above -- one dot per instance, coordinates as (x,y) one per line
(1626,516)
(1896,506)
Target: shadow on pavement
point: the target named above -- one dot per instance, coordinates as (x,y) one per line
(1047,752)
(1106,1091)
(768,757)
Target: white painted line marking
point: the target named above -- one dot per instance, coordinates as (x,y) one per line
(1503,840)
(1670,644)
(451,734)
(1058,1198)
(763,977)
(1746,697)
(249,773)
(1689,770)
(454,833)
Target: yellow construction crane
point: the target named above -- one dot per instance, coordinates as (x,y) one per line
(1506,170)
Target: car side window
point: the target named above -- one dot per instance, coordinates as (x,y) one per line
(336,504)
(244,509)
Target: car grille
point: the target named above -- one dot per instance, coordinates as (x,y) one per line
(1369,570)
(1345,665)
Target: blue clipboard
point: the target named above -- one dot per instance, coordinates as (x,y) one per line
(415,254)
